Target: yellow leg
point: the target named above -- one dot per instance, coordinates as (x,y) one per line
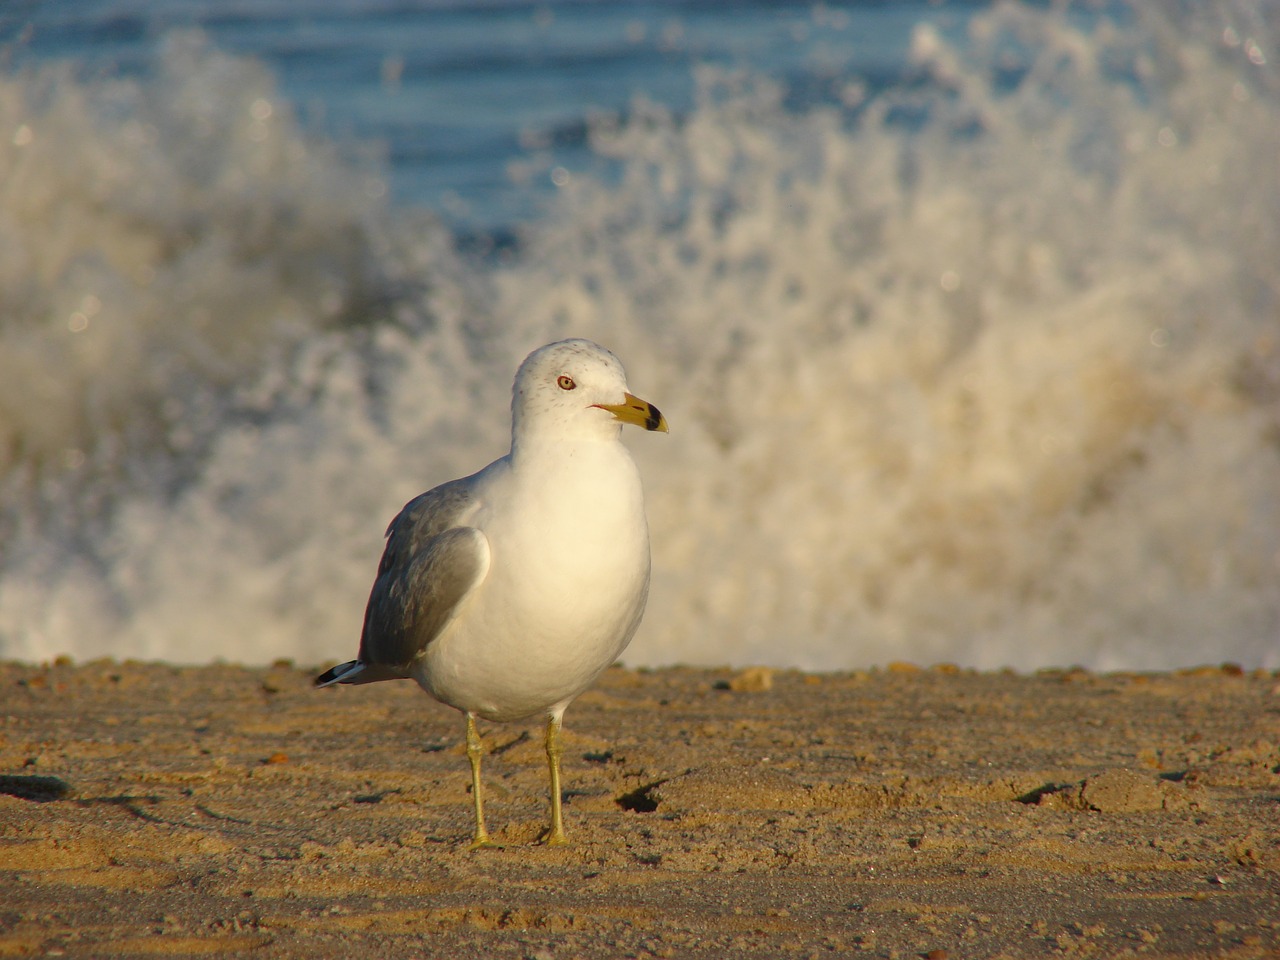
(555,837)
(475,750)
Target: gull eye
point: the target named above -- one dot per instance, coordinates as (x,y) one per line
(565,382)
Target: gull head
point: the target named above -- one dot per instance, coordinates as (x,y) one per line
(576,389)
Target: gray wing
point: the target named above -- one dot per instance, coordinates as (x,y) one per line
(431,562)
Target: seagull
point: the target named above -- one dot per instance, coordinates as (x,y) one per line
(505,594)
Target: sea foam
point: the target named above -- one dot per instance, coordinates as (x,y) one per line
(983,368)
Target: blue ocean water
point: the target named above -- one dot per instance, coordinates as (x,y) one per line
(965,317)
(469,107)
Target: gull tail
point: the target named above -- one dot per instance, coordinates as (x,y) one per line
(356,671)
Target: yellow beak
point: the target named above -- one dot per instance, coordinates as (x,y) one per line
(640,413)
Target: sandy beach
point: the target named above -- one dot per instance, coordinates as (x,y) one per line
(147,809)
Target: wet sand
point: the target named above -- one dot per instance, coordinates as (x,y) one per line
(155,810)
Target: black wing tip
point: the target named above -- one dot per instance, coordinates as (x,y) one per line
(335,674)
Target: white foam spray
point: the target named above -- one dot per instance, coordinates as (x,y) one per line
(998,385)
(986,371)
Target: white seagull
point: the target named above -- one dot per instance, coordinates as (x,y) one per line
(507,593)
